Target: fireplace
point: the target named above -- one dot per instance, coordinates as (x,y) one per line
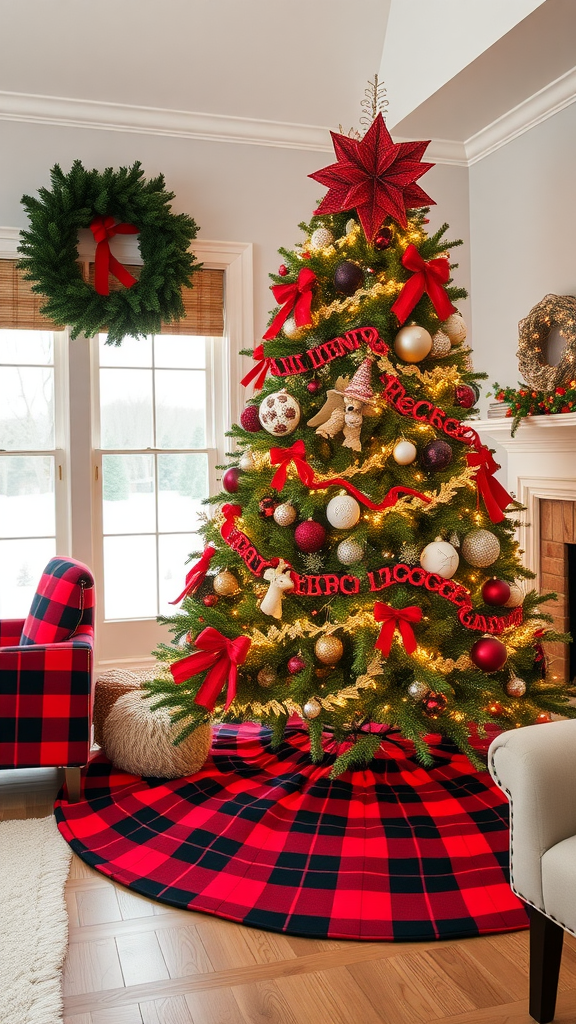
(558,573)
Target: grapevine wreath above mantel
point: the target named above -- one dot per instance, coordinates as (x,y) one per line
(108,203)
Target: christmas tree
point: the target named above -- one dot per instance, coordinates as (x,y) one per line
(361,571)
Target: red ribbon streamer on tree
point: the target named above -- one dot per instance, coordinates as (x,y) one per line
(496,497)
(230,512)
(104,228)
(282,457)
(222,657)
(393,619)
(295,297)
(197,574)
(429,277)
(259,371)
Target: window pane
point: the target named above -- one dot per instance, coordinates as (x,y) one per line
(26,407)
(132,352)
(27,496)
(128,493)
(26,347)
(179,350)
(173,552)
(126,408)
(180,409)
(130,577)
(21,566)
(182,484)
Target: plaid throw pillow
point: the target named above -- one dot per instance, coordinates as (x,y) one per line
(58,603)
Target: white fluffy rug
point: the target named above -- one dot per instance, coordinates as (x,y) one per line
(34,864)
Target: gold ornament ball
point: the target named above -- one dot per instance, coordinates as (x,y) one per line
(267,676)
(247,462)
(329,649)
(291,330)
(284,514)
(441,345)
(516,596)
(515,687)
(312,708)
(404,453)
(412,343)
(480,548)
(455,328)
(225,584)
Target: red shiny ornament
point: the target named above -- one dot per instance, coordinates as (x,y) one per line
(282,270)
(383,239)
(489,654)
(267,506)
(231,479)
(296,664)
(250,420)
(465,396)
(314,612)
(313,387)
(495,592)
(310,536)
(210,600)
(543,717)
(434,704)
(495,709)
(374,176)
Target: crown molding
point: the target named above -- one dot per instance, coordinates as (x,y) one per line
(185,124)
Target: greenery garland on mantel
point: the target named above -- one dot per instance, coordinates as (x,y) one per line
(523,401)
(108,202)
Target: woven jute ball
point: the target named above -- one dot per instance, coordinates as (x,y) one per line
(141,741)
(108,688)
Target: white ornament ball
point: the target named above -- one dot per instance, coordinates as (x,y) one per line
(291,330)
(441,345)
(285,514)
(343,512)
(480,548)
(247,462)
(515,687)
(321,238)
(455,328)
(279,414)
(312,708)
(350,225)
(516,596)
(418,689)
(440,557)
(412,343)
(404,453)
(349,552)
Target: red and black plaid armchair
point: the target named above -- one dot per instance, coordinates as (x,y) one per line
(46,675)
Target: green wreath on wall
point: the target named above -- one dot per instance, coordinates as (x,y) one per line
(109,203)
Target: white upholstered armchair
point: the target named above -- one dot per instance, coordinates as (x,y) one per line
(536,768)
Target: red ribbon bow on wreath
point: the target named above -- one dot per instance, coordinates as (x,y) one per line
(295,297)
(259,371)
(496,497)
(222,657)
(197,574)
(429,277)
(393,619)
(104,228)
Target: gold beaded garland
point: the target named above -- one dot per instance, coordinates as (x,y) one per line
(329,649)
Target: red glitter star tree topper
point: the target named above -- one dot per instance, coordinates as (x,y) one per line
(374,176)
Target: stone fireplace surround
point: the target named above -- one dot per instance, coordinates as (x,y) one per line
(539,469)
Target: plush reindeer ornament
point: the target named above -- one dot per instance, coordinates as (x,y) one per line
(280,582)
(345,407)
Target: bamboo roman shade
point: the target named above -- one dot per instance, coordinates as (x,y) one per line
(203,304)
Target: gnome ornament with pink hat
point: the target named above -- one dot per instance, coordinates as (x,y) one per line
(345,407)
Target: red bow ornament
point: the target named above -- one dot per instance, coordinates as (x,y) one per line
(105,263)
(197,574)
(430,277)
(221,657)
(393,619)
(259,371)
(295,298)
(496,497)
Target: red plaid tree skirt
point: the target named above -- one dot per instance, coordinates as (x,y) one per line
(265,838)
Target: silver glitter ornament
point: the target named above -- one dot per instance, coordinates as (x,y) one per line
(441,345)
(515,687)
(418,689)
(291,329)
(267,676)
(480,548)
(349,552)
(312,708)
(410,554)
(285,514)
(321,238)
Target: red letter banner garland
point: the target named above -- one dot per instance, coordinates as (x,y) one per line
(313,358)
(429,277)
(295,297)
(222,657)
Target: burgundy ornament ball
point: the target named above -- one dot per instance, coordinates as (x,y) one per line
(465,396)
(296,664)
(383,238)
(250,419)
(434,704)
(348,277)
(310,536)
(230,480)
(496,592)
(210,600)
(282,270)
(267,507)
(436,455)
(489,654)
(313,387)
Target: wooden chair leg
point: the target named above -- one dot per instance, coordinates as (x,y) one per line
(546,939)
(72,776)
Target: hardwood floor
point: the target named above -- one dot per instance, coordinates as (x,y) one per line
(132,961)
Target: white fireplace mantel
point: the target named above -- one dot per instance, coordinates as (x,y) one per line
(541,463)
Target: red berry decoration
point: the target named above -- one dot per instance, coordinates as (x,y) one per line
(210,600)
(383,238)
(434,704)
(348,277)
(313,387)
(250,420)
(230,480)
(296,664)
(543,717)
(267,506)
(465,396)
(310,536)
(495,709)
(436,455)
(495,592)
(282,270)
(489,654)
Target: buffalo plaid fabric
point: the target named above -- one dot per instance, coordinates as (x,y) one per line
(265,838)
(46,688)
(62,601)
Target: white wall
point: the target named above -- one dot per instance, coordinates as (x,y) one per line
(522,229)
